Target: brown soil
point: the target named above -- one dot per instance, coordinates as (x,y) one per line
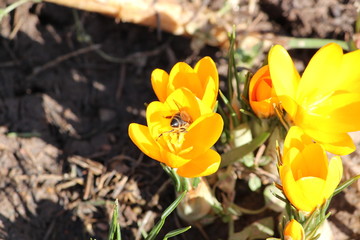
(64,112)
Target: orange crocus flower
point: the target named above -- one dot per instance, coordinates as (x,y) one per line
(262,95)
(202,80)
(180,132)
(294,231)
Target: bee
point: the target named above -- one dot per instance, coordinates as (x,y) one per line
(179,122)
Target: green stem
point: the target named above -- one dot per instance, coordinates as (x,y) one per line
(309,43)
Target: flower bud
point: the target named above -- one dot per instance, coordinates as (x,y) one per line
(294,231)
(262,94)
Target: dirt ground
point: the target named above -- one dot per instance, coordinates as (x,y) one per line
(65,155)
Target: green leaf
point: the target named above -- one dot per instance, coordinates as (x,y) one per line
(233,114)
(248,161)
(230,74)
(114,231)
(237,153)
(156,229)
(176,232)
(254,182)
(272,200)
(313,43)
(345,184)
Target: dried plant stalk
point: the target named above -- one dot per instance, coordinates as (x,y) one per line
(177,17)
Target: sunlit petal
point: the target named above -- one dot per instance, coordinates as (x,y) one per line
(290,155)
(313,162)
(158,116)
(210,94)
(173,160)
(349,72)
(321,72)
(335,114)
(204,165)
(284,75)
(296,138)
(208,126)
(334,176)
(207,71)
(182,75)
(183,99)
(337,143)
(312,189)
(159,82)
(291,189)
(140,135)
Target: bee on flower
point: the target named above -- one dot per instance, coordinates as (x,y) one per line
(180,133)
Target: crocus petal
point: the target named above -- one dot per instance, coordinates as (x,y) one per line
(173,160)
(159,82)
(291,189)
(207,71)
(335,114)
(209,78)
(291,155)
(336,143)
(313,162)
(182,75)
(334,176)
(296,138)
(321,72)
(209,126)
(140,135)
(284,75)
(158,117)
(263,71)
(183,99)
(262,109)
(210,94)
(350,72)
(265,91)
(204,165)
(312,189)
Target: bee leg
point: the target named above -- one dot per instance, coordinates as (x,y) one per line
(182,130)
(163,133)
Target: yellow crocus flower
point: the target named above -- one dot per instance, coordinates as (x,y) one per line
(180,132)
(294,231)
(325,100)
(308,178)
(202,80)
